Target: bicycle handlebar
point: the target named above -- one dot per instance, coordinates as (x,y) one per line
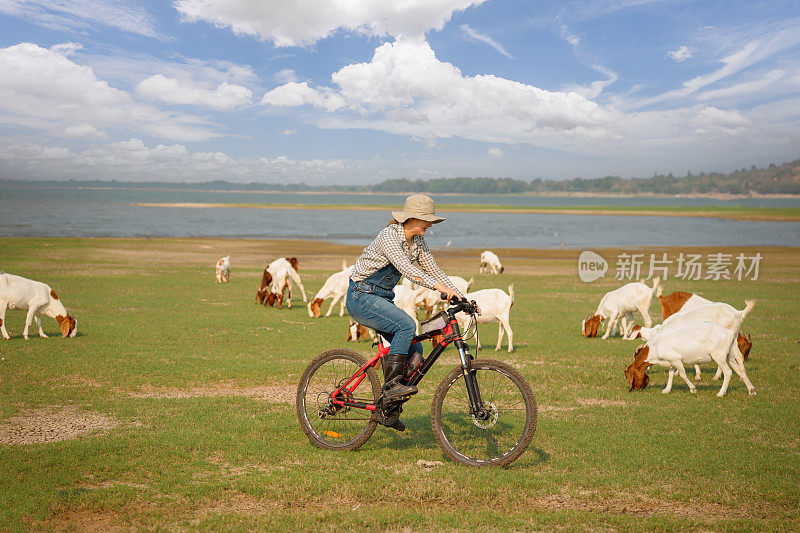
(462,304)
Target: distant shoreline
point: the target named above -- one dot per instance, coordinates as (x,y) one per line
(736,213)
(546,194)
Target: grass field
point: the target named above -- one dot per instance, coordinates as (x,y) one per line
(777,214)
(173,407)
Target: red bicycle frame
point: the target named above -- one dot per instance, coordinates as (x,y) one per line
(449,335)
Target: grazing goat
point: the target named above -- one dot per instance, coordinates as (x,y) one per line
(618,306)
(696,344)
(292,265)
(430,300)
(490,263)
(39,299)
(223,269)
(281,284)
(495,307)
(716,312)
(357,332)
(335,287)
(262,289)
(679,300)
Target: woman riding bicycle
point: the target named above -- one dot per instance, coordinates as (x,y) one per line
(370,293)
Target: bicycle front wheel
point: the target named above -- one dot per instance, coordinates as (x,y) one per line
(498,439)
(326,424)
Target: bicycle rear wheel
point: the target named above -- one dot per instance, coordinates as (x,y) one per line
(509,429)
(325,424)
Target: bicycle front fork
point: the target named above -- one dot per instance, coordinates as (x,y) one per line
(476,407)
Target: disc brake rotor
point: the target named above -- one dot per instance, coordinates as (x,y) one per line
(491,420)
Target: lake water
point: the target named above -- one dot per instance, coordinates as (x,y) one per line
(108,213)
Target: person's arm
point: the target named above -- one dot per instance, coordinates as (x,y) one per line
(428,264)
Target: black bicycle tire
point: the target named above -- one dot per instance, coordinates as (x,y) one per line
(531,414)
(311,369)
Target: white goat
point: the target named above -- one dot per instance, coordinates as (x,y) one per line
(431,300)
(715,312)
(490,263)
(223,270)
(495,307)
(696,344)
(335,287)
(618,306)
(405,298)
(39,299)
(283,262)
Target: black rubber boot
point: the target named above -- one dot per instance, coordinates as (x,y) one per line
(393,390)
(390,417)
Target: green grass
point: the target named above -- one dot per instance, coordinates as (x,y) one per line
(152,339)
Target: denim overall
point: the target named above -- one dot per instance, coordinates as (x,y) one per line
(369,302)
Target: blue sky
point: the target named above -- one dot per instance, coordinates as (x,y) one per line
(360,91)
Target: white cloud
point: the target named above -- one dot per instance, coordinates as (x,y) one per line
(46,90)
(79,131)
(744,88)
(596,88)
(304,22)
(711,119)
(485,39)
(66,49)
(130,69)
(129,16)
(173,91)
(296,94)
(681,54)
(134,160)
(286,75)
(288,132)
(751,54)
(405,89)
(495,152)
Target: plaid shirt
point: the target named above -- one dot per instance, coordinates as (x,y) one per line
(391,246)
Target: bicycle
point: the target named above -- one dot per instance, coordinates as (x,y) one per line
(483,412)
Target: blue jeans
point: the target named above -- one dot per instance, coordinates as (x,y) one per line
(371,305)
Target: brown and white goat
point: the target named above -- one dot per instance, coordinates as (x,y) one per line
(696,344)
(39,299)
(293,266)
(335,287)
(715,312)
(281,287)
(263,288)
(679,300)
(357,332)
(223,270)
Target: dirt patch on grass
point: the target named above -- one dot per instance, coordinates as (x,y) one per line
(269,393)
(53,424)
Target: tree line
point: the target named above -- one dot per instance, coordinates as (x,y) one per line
(774,179)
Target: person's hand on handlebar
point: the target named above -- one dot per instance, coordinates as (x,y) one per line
(444,289)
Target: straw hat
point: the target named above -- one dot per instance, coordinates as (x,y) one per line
(418,206)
